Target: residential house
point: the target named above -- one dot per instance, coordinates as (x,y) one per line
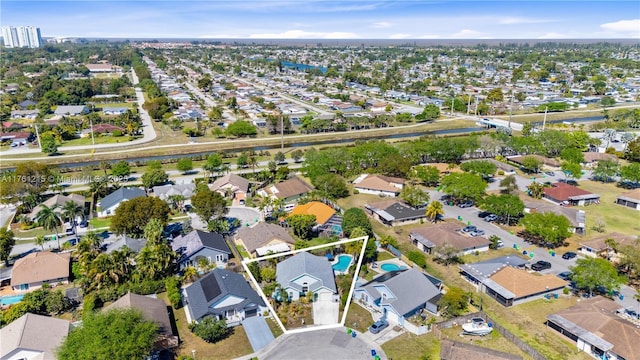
(27,104)
(43,267)
(24,114)
(154,310)
(108,205)
(201,244)
(289,191)
(508,283)
(553,163)
(263,239)
(17,138)
(115,110)
(427,238)
(325,214)
(58,201)
(393,212)
(33,337)
(303,273)
(576,217)
(231,184)
(103,129)
(629,199)
(598,246)
(135,245)
(565,194)
(71,110)
(400,294)
(596,328)
(100,68)
(224,295)
(12,126)
(165,191)
(378,185)
(591,158)
(454,350)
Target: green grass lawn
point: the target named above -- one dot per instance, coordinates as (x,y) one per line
(117,105)
(97,223)
(35,232)
(385,255)
(358,318)
(409,346)
(616,217)
(98,140)
(243,252)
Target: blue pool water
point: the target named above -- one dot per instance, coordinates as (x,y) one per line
(10,300)
(343,263)
(391,267)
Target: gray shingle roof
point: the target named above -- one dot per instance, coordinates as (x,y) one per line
(396,211)
(306,263)
(197,239)
(164,191)
(135,245)
(36,333)
(232,180)
(411,289)
(152,309)
(484,269)
(119,195)
(215,286)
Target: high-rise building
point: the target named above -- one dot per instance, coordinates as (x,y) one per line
(21,36)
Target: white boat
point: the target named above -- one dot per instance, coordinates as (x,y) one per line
(477,328)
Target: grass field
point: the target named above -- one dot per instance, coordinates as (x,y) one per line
(98,140)
(97,223)
(616,217)
(410,347)
(132,104)
(358,318)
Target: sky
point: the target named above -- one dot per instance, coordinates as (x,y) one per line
(325,19)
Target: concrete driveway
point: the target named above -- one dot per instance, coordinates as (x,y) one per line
(320,344)
(247,215)
(258,332)
(325,312)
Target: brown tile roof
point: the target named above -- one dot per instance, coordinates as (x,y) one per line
(322,212)
(591,156)
(262,234)
(445,233)
(381,183)
(598,316)
(522,283)
(106,128)
(288,188)
(453,350)
(40,266)
(632,195)
(383,204)
(233,181)
(598,243)
(563,192)
(542,159)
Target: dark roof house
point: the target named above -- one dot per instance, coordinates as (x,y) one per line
(394,212)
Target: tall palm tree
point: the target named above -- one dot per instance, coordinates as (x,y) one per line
(40,240)
(93,239)
(69,211)
(49,219)
(434,209)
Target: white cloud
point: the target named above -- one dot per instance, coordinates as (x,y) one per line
(468,34)
(623,26)
(299,34)
(514,20)
(429,36)
(382,25)
(554,35)
(399,36)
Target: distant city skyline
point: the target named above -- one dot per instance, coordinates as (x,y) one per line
(323,19)
(21,36)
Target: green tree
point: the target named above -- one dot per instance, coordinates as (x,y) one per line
(296,155)
(243,160)
(331,186)
(184,165)
(571,169)
(572,155)
(154,231)
(132,216)
(414,196)
(606,169)
(356,218)
(7,241)
(213,164)
(254,268)
(590,273)
(429,175)
(49,143)
(115,334)
(302,225)
(506,206)
(121,169)
(241,128)
(531,164)
(633,150)
(495,95)
(210,330)
(209,205)
(279,157)
(40,240)
(536,190)
(430,112)
(552,228)
(630,172)
(509,185)
(434,210)
(154,177)
(464,186)
(49,219)
(454,302)
(495,241)
(479,167)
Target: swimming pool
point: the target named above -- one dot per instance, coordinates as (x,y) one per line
(343,263)
(10,300)
(391,267)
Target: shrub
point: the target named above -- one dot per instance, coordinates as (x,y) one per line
(173,292)
(418,258)
(211,330)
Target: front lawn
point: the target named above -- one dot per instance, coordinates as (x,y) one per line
(616,218)
(358,318)
(409,346)
(98,223)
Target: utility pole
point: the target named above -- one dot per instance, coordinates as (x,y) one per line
(476,109)
(282,133)
(468,104)
(93,142)
(544,121)
(452,100)
(510,110)
(38,137)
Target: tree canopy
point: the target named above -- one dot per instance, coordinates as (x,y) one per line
(209,205)
(505,206)
(590,273)
(464,186)
(132,216)
(302,225)
(552,228)
(356,218)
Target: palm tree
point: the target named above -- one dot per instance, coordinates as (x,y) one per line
(40,240)
(49,219)
(93,239)
(69,211)
(434,209)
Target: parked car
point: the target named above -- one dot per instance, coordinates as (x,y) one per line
(469,228)
(541,265)
(83,224)
(484,214)
(490,218)
(500,244)
(378,326)
(550,173)
(565,275)
(569,255)
(569,182)
(465,204)
(478,232)
(632,313)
